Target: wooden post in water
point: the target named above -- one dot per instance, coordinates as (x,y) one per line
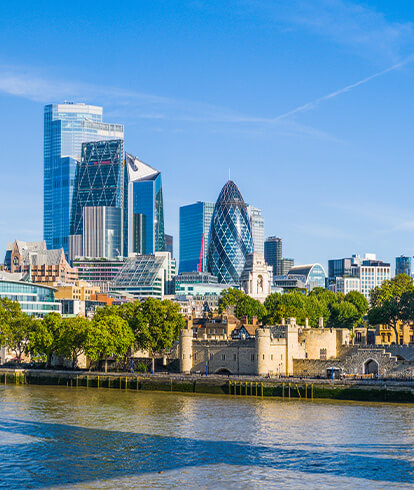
(306,391)
(289,391)
(283,391)
(261,386)
(312,390)
(126,382)
(98,381)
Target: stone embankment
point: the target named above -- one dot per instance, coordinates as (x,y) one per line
(285,388)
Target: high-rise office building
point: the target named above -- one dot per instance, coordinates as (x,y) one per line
(66,127)
(99,206)
(169,244)
(273,254)
(339,268)
(403,265)
(286,265)
(230,238)
(145,208)
(257,226)
(195,220)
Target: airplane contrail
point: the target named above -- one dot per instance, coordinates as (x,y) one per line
(316,102)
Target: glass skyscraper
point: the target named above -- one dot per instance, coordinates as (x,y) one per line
(273,254)
(230,238)
(403,265)
(257,226)
(100,185)
(195,220)
(66,127)
(145,208)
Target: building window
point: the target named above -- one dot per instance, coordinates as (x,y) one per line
(252,357)
(234,357)
(263,356)
(223,357)
(195,357)
(323,354)
(271,357)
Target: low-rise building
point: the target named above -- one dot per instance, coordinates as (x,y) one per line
(99,272)
(80,290)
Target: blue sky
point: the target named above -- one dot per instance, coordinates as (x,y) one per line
(310,103)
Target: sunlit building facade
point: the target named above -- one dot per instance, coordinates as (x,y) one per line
(195,220)
(230,238)
(66,127)
(145,208)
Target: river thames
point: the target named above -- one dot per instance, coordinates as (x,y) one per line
(54,437)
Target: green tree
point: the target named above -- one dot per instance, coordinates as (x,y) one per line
(161,327)
(359,301)
(44,339)
(72,338)
(247,306)
(9,312)
(272,305)
(18,334)
(386,306)
(344,315)
(230,297)
(108,336)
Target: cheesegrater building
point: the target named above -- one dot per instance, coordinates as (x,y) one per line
(230,239)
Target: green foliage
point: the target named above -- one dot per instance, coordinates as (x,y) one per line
(387,307)
(230,297)
(247,306)
(141,367)
(344,315)
(44,339)
(108,336)
(72,338)
(359,301)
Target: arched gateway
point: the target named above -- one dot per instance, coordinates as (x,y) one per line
(371,367)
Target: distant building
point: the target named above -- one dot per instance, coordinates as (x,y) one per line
(287,283)
(80,290)
(403,265)
(195,220)
(39,264)
(144,276)
(371,272)
(314,275)
(286,265)
(34,299)
(230,238)
(66,127)
(197,284)
(145,208)
(347,284)
(256,278)
(273,254)
(257,226)
(98,272)
(169,247)
(99,214)
(339,268)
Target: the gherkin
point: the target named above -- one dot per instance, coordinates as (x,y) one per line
(230,239)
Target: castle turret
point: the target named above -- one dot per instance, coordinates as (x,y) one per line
(186,350)
(262,351)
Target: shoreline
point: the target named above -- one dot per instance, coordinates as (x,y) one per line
(379,391)
(253,386)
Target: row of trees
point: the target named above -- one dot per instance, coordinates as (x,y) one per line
(115,331)
(338,310)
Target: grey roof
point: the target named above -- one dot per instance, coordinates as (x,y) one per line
(42,257)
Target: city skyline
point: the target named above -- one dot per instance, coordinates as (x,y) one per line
(328,135)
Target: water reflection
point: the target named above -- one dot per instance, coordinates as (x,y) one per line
(80,436)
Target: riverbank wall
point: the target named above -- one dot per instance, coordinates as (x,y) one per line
(286,389)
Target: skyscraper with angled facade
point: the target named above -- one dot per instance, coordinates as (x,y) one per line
(66,127)
(273,254)
(195,222)
(145,208)
(99,208)
(230,238)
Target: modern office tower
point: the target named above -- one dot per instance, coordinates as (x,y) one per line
(145,208)
(144,276)
(99,272)
(169,247)
(371,272)
(257,226)
(66,127)
(99,195)
(347,284)
(286,265)
(195,220)
(230,238)
(102,232)
(339,268)
(273,254)
(403,265)
(313,274)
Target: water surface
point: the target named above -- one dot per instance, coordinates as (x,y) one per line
(89,438)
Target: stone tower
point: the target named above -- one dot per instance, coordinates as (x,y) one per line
(262,351)
(186,350)
(256,278)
